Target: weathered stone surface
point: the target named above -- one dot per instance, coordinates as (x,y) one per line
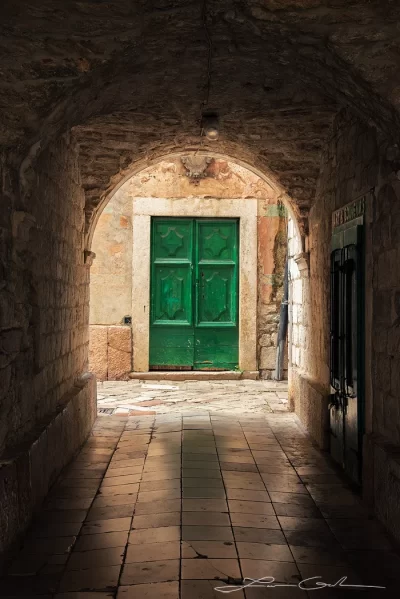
(98,351)
(121,255)
(27,472)
(119,359)
(276,85)
(268,358)
(93,91)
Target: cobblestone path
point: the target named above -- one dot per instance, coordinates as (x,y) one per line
(161,397)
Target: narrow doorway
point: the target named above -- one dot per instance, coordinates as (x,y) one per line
(347,360)
(194,294)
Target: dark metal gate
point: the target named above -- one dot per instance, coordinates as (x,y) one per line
(347,347)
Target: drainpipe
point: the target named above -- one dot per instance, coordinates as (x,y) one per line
(283,324)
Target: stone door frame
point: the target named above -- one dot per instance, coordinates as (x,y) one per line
(246,212)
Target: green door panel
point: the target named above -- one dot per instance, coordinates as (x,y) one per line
(171,347)
(216,349)
(216,297)
(172,239)
(217,240)
(172,300)
(194,293)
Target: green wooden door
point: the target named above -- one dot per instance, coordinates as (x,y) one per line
(194,294)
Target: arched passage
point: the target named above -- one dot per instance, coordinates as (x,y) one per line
(306,92)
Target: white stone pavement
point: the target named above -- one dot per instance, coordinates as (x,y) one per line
(137,397)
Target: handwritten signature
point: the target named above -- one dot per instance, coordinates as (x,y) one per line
(269,582)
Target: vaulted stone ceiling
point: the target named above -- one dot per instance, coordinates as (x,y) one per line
(130,78)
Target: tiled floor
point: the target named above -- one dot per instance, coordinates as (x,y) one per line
(182,505)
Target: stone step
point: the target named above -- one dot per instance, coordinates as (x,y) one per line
(195,375)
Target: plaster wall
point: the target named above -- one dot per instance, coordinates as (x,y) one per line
(166,189)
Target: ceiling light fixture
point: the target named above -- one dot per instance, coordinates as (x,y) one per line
(210,126)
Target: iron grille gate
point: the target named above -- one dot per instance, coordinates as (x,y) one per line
(346,349)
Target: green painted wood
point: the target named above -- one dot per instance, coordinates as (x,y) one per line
(216,303)
(171,311)
(194,293)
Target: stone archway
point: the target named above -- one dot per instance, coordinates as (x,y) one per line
(228,189)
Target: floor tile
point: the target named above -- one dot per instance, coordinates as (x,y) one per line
(131,463)
(296,498)
(68,504)
(245,495)
(251,507)
(151,552)
(204,589)
(266,531)
(160,485)
(209,470)
(157,507)
(59,516)
(318,555)
(259,535)
(310,538)
(101,541)
(112,512)
(295,510)
(209,549)
(115,481)
(280,571)
(108,490)
(157,590)
(157,475)
(235,459)
(162,494)
(207,533)
(147,572)
(83,560)
(204,505)
(50,545)
(111,525)
(206,519)
(114,500)
(154,535)
(98,578)
(254,521)
(203,492)
(55,529)
(278,553)
(157,520)
(238,467)
(210,568)
(197,481)
(299,524)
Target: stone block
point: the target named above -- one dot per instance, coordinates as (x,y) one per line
(98,351)
(119,353)
(297,291)
(265,340)
(267,358)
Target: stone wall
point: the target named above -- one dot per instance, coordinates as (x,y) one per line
(111,273)
(43,325)
(357,162)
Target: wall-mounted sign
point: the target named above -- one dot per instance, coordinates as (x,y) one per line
(348,212)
